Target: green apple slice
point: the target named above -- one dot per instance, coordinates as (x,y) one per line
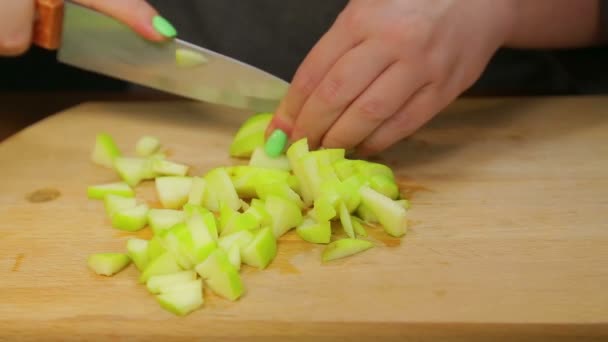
(250,135)
(192,209)
(324,207)
(349,191)
(119,188)
(131,219)
(261,250)
(344,248)
(165,263)
(366,214)
(234,255)
(185,58)
(314,232)
(163,219)
(285,214)
(259,158)
(115,203)
(385,186)
(178,240)
(173,191)
(221,276)
(182,299)
(257,208)
(311,174)
(155,248)
(133,170)
(295,153)
(358,226)
(329,156)
(105,150)
(278,188)
(108,264)
(391,215)
(137,250)
(344,168)
(158,282)
(147,146)
(404,203)
(204,242)
(369,169)
(241,239)
(197,191)
(345,221)
(168,168)
(219,183)
(239,222)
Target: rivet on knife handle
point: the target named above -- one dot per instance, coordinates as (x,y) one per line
(47,28)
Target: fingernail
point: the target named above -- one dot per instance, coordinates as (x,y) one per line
(276,143)
(164,27)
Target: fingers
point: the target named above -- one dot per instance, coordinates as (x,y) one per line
(333,45)
(351,75)
(16,24)
(137,14)
(380,101)
(416,112)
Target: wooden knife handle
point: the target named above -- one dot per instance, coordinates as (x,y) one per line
(47,28)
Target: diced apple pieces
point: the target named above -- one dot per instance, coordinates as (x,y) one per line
(147,146)
(221,276)
(261,250)
(158,282)
(155,249)
(119,189)
(105,150)
(278,188)
(234,255)
(137,250)
(346,221)
(182,299)
(250,135)
(108,264)
(344,248)
(163,219)
(133,170)
(168,168)
(131,219)
(285,214)
(385,185)
(197,191)
(314,232)
(220,190)
(259,158)
(390,214)
(115,203)
(173,191)
(166,263)
(241,239)
(358,226)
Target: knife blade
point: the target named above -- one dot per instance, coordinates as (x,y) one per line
(93,41)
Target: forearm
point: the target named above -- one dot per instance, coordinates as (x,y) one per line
(549,24)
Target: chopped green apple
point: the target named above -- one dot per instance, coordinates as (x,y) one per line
(261,250)
(404,203)
(241,239)
(220,185)
(391,215)
(285,214)
(358,226)
(168,168)
(108,264)
(324,207)
(147,146)
(105,150)
(165,263)
(173,191)
(344,248)
(221,276)
(384,185)
(163,219)
(115,203)
(311,231)
(197,191)
(182,299)
(329,156)
(137,250)
(234,255)
(203,240)
(241,221)
(295,153)
(158,282)
(278,188)
(131,219)
(311,174)
(178,240)
(365,213)
(185,58)
(250,135)
(155,248)
(369,169)
(257,208)
(133,170)
(100,191)
(344,168)
(259,158)
(345,221)
(192,209)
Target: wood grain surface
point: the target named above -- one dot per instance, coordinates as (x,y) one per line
(509,234)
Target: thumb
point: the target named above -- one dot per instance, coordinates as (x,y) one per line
(137,14)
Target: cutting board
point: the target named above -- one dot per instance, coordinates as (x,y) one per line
(508,237)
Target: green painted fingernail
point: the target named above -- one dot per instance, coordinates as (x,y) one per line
(276,143)
(164,27)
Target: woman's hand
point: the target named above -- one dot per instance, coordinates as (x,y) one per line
(17,21)
(386,67)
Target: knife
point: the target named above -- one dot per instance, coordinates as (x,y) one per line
(92,41)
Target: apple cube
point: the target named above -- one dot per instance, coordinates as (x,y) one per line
(108,264)
(168,168)
(173,191)
(133,170)
(369,169)
(197,191)
(241,239)
(234,255)
(358,226)
(147,146)
(178,240)
(131,219)
(278,188)
(365,213)
(391,215)
(285,214)
(221,190)
(384,185)
(166,263)
(137,250)
(105,150)
(119,189)
(155,249)
(345,221)
(250,135)
(261,250)
(295,153)
(344,168)
(221,276)
(163,219)
(158,282)
(182,299)
(344,248)
(259,158)
(115,203)
(314,232)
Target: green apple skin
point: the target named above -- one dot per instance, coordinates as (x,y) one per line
(166,263)
(358,226)
(295,153)
(163,219)
(147,146)
(131,219)
(158,282)
(173,191)
(182,299)
(250,135)
(155,248)
(344,168)
(278,188)
(132,170)
(219,183)
(108,264)
(345,247)
(105,150)
(369,169)
(384,185)
(234,255)
(404,203)
(346,222)
(221,276)
(119,189)
(137,250)
(390,214)
(241,239)
(168,168)
(365,213)
(313,232)
(285,215)
(115,203)
(261,250)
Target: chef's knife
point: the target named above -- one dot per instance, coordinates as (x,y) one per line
(90,40)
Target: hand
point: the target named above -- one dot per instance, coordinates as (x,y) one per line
(17,21)
(386,67)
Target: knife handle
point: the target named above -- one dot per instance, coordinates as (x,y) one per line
(47,28)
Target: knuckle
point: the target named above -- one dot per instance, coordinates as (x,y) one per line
(14,45)
(336,140)
(303,83)
(329,91)
(354,20)
(373,110)
(411,31)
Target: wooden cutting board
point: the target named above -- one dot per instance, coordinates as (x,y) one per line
(508,238)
